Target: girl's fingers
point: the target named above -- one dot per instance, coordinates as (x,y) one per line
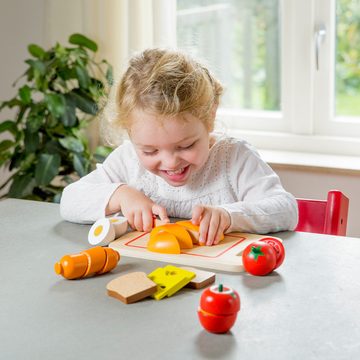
(197,214)
(213,230)
(138,222)
(161,212)
(204,228)
(147,220)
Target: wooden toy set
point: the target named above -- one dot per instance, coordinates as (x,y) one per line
(178,244)
(175,243)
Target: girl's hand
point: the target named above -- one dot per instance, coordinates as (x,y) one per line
(214,221)
(136,207)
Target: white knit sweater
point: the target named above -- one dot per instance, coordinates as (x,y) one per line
(234,178)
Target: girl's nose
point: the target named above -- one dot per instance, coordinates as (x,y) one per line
(170,161)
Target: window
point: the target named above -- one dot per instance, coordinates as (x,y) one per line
(290,69)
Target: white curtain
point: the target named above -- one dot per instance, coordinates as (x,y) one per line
(120,27)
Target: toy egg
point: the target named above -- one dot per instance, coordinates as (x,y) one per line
(106,230)
(219,306)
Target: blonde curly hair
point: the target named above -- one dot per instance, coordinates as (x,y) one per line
(164,83)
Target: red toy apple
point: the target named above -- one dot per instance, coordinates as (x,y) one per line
(218,308)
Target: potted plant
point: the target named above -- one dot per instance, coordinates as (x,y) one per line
(46,146)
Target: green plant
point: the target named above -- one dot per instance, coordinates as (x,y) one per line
(46,147)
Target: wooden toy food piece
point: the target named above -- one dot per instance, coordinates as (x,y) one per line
(202,278)
(263,256)
(94,261)
(193,230)
(105,230)
(164,242)
(163,239)
(169,279)
(218,308)
(131,287)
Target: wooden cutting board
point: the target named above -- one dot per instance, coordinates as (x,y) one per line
(225,256)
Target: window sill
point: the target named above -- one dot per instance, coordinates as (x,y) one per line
(288,160)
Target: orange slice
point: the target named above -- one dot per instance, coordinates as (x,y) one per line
(163,242)
(178,231)
(193,230)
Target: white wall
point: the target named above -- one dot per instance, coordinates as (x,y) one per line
(316,184)
(21,23)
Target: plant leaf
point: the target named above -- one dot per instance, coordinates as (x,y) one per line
(72,144)
(84,102)
(83,77)
(8,125)
(34,122)
(21,186)
(80,165)
(110,75)
(56,103)
(6,144)
(37,65)
(47,168)
(36,51)
(81,40)
(102,152)
(68,118)
(31,141)
(25,94)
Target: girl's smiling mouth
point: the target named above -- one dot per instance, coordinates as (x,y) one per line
(176,176)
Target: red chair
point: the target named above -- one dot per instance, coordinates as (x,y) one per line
(324,216)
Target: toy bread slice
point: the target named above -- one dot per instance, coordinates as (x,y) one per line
(131,287)
(202,278)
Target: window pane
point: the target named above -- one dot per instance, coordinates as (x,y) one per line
(348,58)
(240,42)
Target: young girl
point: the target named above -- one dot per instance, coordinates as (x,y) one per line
(174,165)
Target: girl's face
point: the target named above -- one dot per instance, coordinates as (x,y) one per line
(172,148)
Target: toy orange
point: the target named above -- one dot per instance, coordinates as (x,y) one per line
(193,230)
(164,242)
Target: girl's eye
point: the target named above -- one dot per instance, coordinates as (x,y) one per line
(188,147)
(150,153)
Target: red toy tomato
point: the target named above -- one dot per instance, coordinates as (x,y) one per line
(259,258)
(218,308)
(278,247)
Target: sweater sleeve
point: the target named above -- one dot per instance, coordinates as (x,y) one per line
(85,200)
(263,205)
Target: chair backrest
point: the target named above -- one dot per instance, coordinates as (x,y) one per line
(324,216)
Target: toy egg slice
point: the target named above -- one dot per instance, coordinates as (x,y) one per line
(120,225)
(105,230)
(164,242)
(101,232)
(178,231)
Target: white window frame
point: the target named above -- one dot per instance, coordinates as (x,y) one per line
(306,122)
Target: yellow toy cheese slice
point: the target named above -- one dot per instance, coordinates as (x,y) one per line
(164,242)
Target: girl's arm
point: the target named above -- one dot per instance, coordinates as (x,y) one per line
(85,200)
(264,206)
